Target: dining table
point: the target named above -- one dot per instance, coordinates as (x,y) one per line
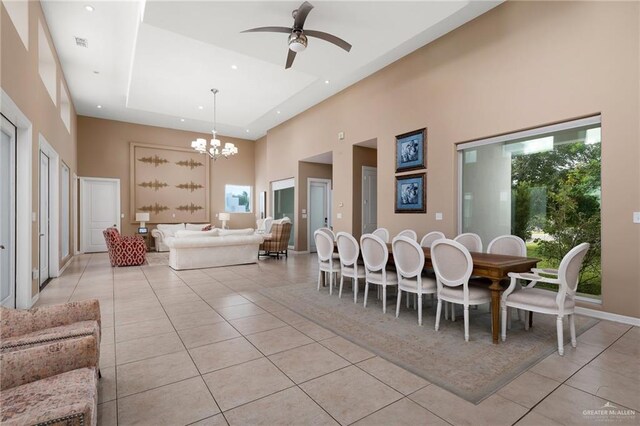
(493,267)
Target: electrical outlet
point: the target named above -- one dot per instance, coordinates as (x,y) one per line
(340,136)
(35,273)
(339,215)
(438,216)
(636,217)
(304,215)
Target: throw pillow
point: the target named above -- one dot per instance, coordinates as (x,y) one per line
(207,227)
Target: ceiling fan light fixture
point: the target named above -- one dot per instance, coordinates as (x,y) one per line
(297,42)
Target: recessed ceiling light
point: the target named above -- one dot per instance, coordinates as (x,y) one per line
(182,119)
(98,106)
(200,107)
(234,67)
(247,130)
(326,82)
(277,112)
(89,8)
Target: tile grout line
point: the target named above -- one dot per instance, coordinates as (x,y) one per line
(565,381)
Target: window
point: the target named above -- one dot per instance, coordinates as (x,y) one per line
(542,185)
(237,199)
(46,63)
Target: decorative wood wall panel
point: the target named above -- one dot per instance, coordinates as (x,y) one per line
(170,183)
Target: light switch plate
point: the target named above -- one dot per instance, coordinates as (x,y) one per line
(122,215)
(304,215)
(339,215)
(34,217)
(35,273)
(636,217)
(438,216)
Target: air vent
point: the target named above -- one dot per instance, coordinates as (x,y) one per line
(82,42)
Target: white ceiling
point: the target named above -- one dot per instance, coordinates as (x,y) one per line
(158,60)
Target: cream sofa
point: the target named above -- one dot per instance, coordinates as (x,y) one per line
(164,231)
(229,247)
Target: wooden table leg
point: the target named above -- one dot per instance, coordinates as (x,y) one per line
(496,290)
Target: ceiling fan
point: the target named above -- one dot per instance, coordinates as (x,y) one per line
(298,35)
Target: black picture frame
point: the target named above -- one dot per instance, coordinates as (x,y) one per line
(411,150)
(411,193)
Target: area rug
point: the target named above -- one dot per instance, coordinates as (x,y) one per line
(472,370)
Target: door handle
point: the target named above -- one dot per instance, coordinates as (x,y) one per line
(1,247)
(42,235)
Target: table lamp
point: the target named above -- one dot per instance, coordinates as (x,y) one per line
(224,217)
(142,218)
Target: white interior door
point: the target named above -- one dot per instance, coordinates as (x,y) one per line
(369,199)
(100,209)
(7,214)
(44,218)
(318,216)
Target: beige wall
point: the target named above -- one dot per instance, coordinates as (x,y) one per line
(361,157)
(521,65)
(21,81)
(103,151)
(306,170)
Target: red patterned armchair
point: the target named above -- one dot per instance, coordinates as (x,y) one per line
(125,250)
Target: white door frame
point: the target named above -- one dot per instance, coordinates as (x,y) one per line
(54,207)
(10,243)
(83,218)
(329,221)
(74,223)
(365,168)
(24,165)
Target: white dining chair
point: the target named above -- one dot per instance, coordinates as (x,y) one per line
(409,260)
(326,263)
(329,232)
(510,245)
(471,241)
(453,265)
(432,236)
(548,302)
(382,233)
(375,255)
(408,233)
(349,251)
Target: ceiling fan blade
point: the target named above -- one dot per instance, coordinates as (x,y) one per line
(329,37)
(290,57)
(268,30)
(301,15)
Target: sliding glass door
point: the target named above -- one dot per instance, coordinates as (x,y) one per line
(542,185)
(283,205)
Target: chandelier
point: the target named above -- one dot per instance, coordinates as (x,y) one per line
(216,150)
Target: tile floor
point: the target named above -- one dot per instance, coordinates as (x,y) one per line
(203,347)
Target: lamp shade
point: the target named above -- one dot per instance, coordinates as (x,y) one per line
(224,216)
(142,217)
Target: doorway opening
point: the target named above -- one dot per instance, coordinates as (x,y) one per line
(283,205)
(8,140)
(315,177)
(48,213)
(365,187)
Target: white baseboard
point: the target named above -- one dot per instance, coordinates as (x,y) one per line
(299,252)
(608,316)
(34,299)
(65,265)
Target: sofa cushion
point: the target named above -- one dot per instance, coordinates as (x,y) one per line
(208,227)
(202,242)
(195,226)
(247,231)
(76,329)
(187,233)
(170,230)
(72,396)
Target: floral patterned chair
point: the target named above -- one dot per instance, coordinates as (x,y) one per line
(21,329)
(125,250)
(50,384)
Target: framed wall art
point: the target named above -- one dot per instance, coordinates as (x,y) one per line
(410,150)
(411,193)
(170,183)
